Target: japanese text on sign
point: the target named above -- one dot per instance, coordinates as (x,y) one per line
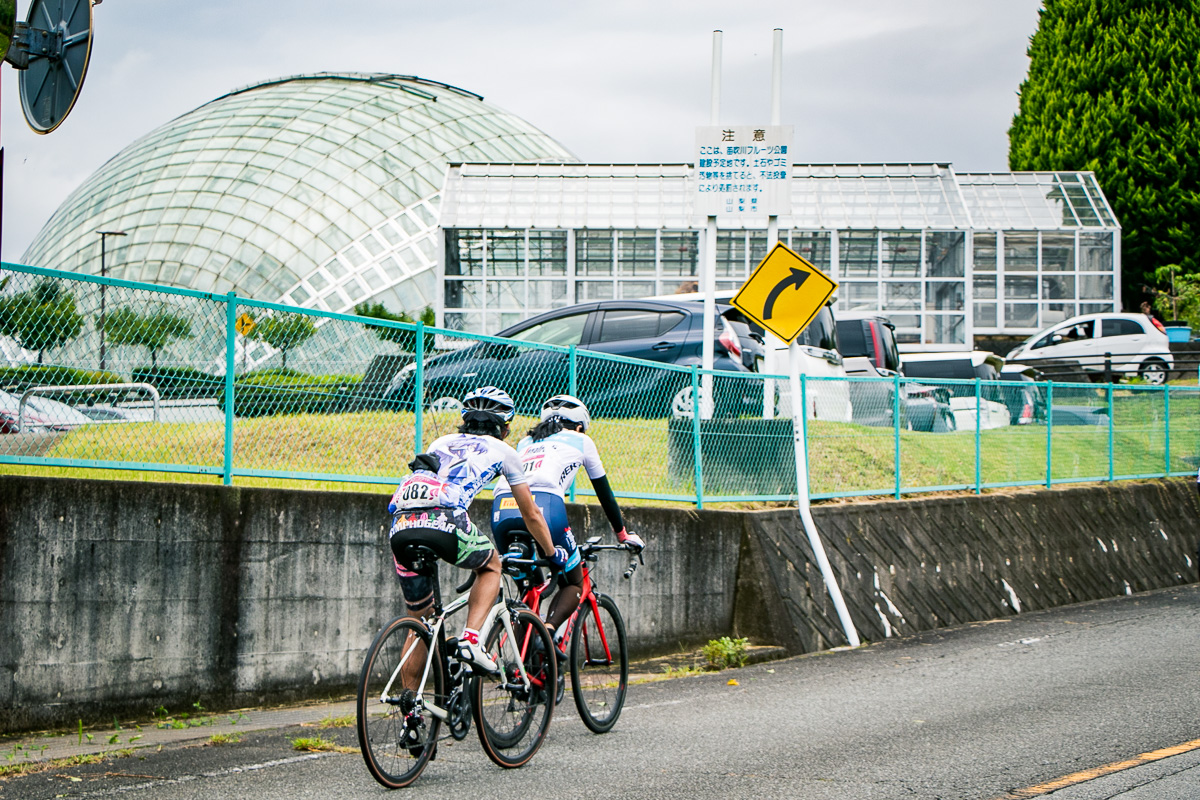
(743,170)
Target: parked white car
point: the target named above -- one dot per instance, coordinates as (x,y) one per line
(817,345)
(827,398)
(1136,346)
(41,414)
(990,410)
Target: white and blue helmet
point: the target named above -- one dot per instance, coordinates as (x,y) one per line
(491,400)
(569,408)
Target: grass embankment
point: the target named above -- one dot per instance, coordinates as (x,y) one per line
(842,457)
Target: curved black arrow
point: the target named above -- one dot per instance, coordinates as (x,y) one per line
(797,279)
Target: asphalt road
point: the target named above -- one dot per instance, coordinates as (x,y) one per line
(983,711)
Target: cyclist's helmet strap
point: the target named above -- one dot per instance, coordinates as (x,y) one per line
(568,408)
(489,400)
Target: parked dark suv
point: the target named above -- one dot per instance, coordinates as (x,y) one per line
(666,331)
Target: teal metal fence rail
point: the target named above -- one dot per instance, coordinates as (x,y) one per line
(258,390)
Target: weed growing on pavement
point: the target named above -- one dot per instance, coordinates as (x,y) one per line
(337,722)
(31,767)
(218,739)
(726,652)
(315,744)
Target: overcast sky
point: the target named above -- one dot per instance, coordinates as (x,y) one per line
(614,81)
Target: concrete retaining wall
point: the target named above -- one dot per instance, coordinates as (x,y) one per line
(116,598)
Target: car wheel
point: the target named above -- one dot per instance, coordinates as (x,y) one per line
(681,404)
(1154,371)
(446,404)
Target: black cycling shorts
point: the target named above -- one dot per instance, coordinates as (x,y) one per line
(449,533)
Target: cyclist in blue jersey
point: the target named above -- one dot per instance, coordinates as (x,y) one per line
(429,507)
(550,455)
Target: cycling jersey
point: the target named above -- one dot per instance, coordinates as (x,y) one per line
(550,464)
(466,464)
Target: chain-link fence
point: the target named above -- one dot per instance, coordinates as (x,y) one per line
(107,374)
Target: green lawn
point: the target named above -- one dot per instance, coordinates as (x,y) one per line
(843,457)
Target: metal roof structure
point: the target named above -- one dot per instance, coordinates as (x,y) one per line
(824,197)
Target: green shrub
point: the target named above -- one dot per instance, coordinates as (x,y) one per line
(726,652)
(18,379)
(180,382)
(284,391)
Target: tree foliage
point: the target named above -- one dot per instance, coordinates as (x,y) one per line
(284,332)
(405,338)
(41,318)
(1114,88)
(153,331)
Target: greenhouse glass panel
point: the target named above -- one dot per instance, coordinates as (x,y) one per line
(985,315)
(631,290)
(1021,315)
(503,295)
(1058,252)
(679,253)
(813,247)
(636,252)
(464,294)
(984,286)
(547,253)
(506,253)
(947,329)
(945,295)
(1095,287)
(546,295)
(859,295)
(1053,313)
(1058,287)
(1095,252)
(858,254)
(589,290)
(731,254)
(1020,252)
(594,252)
(946,254)
(1021,287)
(902,296)
(901,254)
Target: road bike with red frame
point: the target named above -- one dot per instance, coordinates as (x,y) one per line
(592,640)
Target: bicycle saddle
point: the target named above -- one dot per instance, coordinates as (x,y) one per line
(420,558)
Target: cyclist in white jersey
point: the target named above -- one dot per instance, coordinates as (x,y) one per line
(550,455)
(429,508)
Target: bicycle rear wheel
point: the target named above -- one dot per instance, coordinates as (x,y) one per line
(599,663)
(512,714)
(397,735)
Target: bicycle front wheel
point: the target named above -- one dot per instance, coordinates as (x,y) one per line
(396,731)
(599,663)
(513,710)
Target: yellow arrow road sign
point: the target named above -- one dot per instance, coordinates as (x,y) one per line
(245,323)
(784,293)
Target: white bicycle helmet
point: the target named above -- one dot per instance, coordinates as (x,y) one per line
(569,408)
(490,399)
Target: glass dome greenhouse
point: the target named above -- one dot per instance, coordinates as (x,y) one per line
(319,191)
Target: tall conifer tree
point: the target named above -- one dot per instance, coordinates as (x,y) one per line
(1114,88)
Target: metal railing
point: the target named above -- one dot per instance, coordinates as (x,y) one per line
(259,391)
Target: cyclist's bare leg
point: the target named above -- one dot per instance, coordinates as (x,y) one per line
(566,599)
(483,593)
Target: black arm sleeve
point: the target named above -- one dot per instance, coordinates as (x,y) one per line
(608,502)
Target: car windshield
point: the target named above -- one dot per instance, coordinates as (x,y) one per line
(563,331)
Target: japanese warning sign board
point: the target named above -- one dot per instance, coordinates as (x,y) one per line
(784,293)
(744,170)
